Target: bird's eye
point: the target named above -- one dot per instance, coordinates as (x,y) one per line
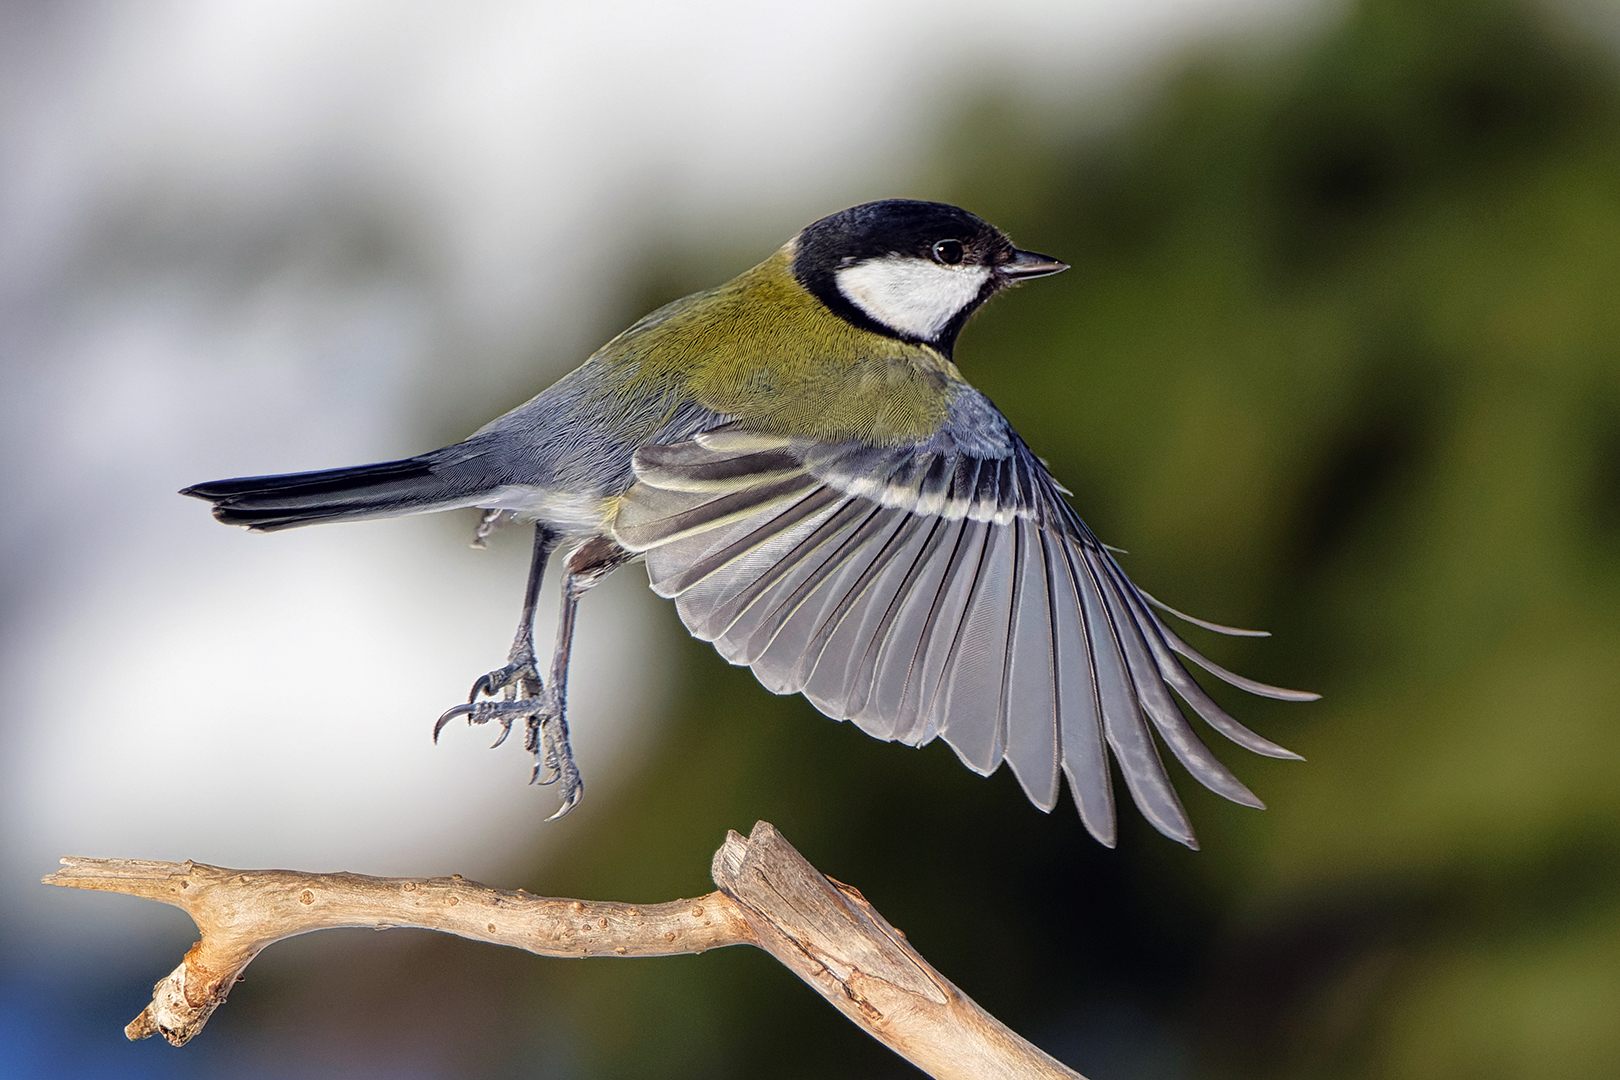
(948,252)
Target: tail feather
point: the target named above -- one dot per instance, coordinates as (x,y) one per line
(387,489)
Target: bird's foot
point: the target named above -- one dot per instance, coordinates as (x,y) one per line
(547,740)
(505,713)
(545,729)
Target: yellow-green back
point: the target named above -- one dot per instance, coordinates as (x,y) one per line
(762,348)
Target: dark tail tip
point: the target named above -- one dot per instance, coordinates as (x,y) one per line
(267,503)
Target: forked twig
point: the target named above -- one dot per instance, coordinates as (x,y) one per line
(769,896)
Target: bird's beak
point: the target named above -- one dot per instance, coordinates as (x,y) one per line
(1030,264)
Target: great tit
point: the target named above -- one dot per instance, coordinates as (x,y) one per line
(804,470)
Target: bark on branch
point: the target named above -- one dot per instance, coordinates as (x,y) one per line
(769,896)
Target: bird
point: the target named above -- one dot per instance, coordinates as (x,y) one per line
(800,465)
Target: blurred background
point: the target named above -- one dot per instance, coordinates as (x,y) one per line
(1339,356)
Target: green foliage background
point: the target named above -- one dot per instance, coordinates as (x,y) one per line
(1338,357)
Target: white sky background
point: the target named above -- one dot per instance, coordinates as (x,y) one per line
(242,237)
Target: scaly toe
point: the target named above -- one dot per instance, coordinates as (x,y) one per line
(514,674)
(482,712)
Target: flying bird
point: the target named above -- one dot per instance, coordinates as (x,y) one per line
(803,469)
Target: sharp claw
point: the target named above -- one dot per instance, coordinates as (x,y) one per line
(450,714)
(506,729)
(571,796)
(484,685)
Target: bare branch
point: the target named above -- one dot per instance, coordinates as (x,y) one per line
(769,896)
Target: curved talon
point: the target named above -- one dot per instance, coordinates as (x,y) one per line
(506,729)
(573,791)
(552,772)
(450,714)
(484,685)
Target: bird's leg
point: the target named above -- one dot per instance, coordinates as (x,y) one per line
(520,678)
(519,681)
(547,736)
(543,708)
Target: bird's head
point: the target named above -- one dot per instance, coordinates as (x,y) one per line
(910,270)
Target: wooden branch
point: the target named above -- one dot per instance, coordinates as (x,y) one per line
(769,896)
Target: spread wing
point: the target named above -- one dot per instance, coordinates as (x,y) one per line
(928,592)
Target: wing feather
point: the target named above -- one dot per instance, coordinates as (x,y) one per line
(891,648)
(921,706)
(1155,699)
(774,533)
(799,626)
(1260,688)
(851,628)
(1085,756)
(1029,700)
(888,530)
(754,613)
(897,664)
(1123,726)
(733,506)
(925,592)
(968,709)
(1174,674)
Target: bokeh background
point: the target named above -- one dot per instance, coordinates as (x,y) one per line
(1339,356)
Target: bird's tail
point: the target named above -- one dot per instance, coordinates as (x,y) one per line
(387,489)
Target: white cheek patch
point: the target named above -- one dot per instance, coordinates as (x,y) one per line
(917,297)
